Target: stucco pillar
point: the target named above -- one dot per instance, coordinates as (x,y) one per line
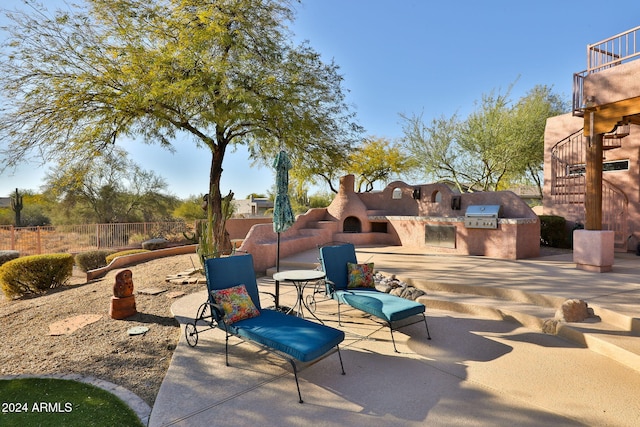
(593,250)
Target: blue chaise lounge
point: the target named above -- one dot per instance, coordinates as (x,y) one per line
(391,309)
(234,306)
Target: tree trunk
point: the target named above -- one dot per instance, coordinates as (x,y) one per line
(216,219)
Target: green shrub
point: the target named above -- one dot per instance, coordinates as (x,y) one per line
(91,260)
(136,239)
(35,274)
(553,232)
(8,256)
(113,256)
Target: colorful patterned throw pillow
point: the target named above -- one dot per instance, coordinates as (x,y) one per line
(236,303)
(360,275)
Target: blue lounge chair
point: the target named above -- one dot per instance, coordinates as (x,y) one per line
(290,337)
(391,309)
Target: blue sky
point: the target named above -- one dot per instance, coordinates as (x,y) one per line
(407,56)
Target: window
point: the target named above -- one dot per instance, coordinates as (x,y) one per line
(397,194)
(612,166)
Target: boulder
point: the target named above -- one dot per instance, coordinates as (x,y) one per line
(153,244)
(573,310)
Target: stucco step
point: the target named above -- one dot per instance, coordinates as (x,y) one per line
(495,292)
(324,224)
(310,231)
(621,321)
(528,315)
(621,344)
(377,212)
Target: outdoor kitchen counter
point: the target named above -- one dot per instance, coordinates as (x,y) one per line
(447,219)
(513,238)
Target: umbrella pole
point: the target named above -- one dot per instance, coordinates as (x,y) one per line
(277,302)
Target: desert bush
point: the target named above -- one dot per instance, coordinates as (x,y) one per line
(35,274)
(8,256)
(553,232)
(113,256)
(91,260)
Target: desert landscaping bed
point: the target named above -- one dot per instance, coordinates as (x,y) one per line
(70,330)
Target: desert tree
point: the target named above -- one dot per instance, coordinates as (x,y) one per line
(216,73)
(106,189)
(377,159)
(499,143)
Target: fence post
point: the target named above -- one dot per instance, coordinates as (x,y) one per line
(39,240)
(98,235)
(13,238)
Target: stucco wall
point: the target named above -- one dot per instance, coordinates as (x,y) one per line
(238,228)
(613,84)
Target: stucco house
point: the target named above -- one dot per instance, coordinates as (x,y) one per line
(252,207)
(592,155)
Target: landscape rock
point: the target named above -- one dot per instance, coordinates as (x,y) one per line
(8,255)
(573,310)
(393,286)
(153,244)
(550,326)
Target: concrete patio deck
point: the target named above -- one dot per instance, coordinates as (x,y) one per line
(478,370)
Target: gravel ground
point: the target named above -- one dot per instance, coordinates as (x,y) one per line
(103,349)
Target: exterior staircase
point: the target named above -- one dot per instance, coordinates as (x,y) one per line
(568,184)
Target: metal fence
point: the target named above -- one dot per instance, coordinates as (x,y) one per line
(81,238)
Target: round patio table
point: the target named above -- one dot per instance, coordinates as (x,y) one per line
(300,279)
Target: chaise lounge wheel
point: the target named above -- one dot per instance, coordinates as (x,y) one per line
(191,334)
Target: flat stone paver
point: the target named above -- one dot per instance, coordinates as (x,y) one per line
(71,324)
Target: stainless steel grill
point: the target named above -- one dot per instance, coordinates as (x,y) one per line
(482,216)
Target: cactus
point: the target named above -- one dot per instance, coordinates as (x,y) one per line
(16,206)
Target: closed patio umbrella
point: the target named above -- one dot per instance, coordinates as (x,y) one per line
(283,216)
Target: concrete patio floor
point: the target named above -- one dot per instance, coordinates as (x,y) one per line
(476,371)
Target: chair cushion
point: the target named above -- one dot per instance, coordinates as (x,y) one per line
(236,303)
(299,338)
(360,275)
(380,304)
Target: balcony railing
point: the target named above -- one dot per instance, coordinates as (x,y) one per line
(613,51)
(605,54)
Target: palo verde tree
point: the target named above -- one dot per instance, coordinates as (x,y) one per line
(498,144)
(377,159)
(215,73)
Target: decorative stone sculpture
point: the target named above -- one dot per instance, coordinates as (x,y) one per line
(123,303)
